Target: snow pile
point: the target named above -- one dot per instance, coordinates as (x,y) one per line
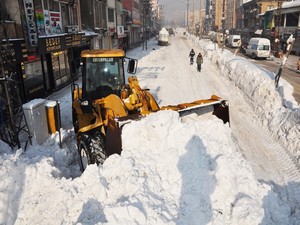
(173,172)
(280,115)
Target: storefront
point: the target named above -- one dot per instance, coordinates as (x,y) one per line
(53,49)
(75,44)
(28,69)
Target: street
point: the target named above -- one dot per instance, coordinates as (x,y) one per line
(269,159)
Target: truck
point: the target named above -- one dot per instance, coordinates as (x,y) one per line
(106,102)
(163,37)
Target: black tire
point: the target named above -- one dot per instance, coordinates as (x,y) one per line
(91,148)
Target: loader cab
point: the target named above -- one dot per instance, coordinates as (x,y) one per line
(103,73)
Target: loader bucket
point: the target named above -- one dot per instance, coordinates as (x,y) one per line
(215,105)
(113,137)
(114,132)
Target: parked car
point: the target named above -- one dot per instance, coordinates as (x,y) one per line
(233,41)
(258,48)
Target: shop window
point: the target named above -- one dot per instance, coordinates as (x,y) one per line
(55,68)
(61,69)
(33,77)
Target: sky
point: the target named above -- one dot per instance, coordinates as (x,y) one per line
(173,10)
(173,170)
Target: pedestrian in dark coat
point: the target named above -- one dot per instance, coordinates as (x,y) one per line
(199,61)
(191,55)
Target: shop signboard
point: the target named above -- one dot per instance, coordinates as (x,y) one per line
(55,23)
(120,31)
(47,22)
(73,40)
(40,22)
(52,44)
(31,29)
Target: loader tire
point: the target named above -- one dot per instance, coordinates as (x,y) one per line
(91,148)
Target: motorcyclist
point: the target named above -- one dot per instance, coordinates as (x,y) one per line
(191,55)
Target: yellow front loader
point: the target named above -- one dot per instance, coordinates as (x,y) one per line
(106,102)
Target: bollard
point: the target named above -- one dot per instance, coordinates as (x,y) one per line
(51,108)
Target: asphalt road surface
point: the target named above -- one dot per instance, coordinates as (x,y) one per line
(289,71)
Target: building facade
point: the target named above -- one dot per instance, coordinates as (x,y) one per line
(46,37)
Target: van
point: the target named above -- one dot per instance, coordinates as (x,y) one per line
(233,41)
(258,48)
(163,37)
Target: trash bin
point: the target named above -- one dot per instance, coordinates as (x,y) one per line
(35,114)
(52,110)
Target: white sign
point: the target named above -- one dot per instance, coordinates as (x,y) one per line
(120,31)
(30,21)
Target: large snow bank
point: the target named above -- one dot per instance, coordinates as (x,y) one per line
(280,115)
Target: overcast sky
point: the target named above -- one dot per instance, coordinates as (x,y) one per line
(176,9)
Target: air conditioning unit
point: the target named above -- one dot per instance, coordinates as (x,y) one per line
(71,29)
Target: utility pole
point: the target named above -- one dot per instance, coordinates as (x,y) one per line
(219,13)
(145,17)
(193,16)
(277,30)
(187,14)
(200,24)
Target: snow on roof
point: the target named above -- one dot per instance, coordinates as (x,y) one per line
(163,31)
(290,4)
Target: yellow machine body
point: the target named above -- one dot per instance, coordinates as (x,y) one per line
(105,108)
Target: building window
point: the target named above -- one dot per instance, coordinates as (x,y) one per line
(53,5)
(111,15)
(64,12)
(292,19)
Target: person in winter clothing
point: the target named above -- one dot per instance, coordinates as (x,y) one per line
(298,66)
(199,61)
(191,55)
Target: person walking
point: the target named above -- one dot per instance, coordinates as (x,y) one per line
(298,66)
(199,61)
(191,55)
